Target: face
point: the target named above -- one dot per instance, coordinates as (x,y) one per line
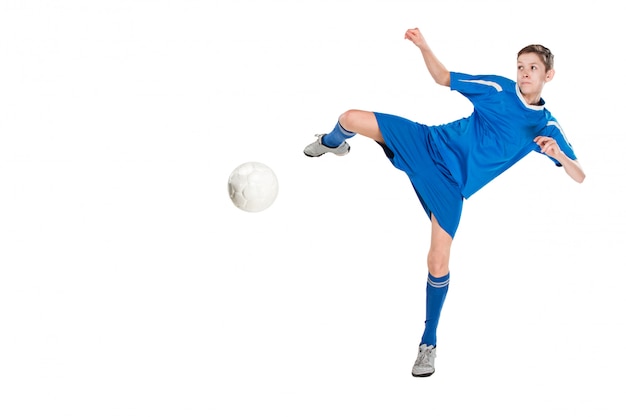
(532,74)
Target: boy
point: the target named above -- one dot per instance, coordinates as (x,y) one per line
(448,163)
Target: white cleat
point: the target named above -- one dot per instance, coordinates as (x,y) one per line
(317,148)
(425,363)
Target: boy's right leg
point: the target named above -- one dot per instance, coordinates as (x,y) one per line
(350,123)
(362,122)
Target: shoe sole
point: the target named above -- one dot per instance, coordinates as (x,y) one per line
(422,375)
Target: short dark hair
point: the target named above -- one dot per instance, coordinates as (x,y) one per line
(545,54)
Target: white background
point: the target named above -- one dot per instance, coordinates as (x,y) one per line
(131,286)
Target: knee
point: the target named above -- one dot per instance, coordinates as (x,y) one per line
(438,263)
(349,120)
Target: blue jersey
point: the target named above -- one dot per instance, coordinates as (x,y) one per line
(499,132)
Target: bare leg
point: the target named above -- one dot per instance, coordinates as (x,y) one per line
(439,254)
(436,290)
(438,279)
(362,122)
(349,124)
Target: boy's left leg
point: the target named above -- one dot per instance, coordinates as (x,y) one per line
(436,291)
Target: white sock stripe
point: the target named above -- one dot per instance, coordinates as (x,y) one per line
(345,131)
(438,284)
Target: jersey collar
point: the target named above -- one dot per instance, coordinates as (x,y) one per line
(539,106)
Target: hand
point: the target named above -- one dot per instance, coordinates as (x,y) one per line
(415,36)
(548,146)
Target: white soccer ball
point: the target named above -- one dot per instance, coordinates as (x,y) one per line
(252,186)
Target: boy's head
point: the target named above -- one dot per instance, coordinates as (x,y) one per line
(544,53)
(534,68)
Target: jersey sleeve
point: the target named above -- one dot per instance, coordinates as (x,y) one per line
(553,130)
(477,84)
(487,93)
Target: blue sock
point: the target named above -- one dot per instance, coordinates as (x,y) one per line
(436,290)
(337,136)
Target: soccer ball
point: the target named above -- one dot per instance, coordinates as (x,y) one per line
(252,186)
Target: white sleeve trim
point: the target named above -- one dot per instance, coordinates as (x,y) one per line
(558,126)
(493,84)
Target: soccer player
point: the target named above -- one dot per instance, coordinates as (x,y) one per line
(448,163)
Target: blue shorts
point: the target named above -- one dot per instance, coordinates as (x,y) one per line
(410,148)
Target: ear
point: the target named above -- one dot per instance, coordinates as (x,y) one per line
(550,75)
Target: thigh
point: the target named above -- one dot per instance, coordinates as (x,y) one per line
(440,240)
(439,253)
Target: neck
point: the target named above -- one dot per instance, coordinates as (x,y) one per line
(532,100)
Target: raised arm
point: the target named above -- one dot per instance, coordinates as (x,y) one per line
(437,70)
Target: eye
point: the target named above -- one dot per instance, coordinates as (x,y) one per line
(534,67)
